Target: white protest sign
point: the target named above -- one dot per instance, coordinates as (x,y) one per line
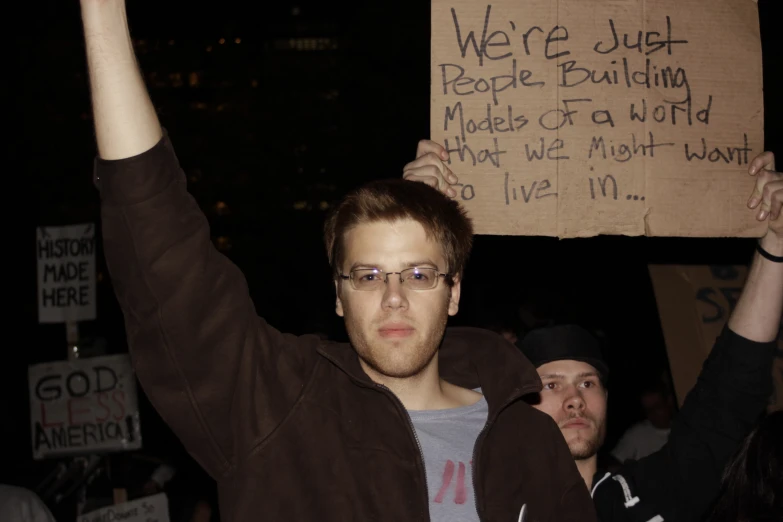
(147,509)
(66,273)
(83,406)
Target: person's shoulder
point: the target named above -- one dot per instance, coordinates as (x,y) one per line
(641,427)
(18,502)
(9,492)
(473,335)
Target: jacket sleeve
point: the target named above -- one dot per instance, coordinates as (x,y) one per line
(730,394)
(217,373)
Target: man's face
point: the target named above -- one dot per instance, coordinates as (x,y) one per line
(574,397)
(396,331)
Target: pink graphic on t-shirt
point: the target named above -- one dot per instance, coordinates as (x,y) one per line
(460,495)
(448,472)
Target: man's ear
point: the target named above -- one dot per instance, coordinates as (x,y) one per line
(454,298)
(339,303)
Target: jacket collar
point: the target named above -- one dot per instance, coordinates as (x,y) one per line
(468,357)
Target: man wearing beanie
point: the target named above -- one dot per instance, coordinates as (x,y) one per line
(681,480)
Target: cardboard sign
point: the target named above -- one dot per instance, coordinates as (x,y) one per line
(83,406)
(573,118)
(66,273)
(148,509)
(694,303)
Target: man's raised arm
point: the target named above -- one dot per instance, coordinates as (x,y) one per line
(759,309)
(125,121)
(735,384)
(207,362)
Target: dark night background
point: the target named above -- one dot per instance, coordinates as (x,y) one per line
(276,109)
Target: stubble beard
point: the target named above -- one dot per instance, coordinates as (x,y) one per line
(397,359)
(585,448)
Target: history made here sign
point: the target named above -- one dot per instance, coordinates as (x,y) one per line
(574,118)
(83,406)
(66,273)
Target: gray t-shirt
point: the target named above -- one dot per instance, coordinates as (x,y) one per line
(447,438)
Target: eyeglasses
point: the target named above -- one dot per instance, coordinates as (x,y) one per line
(412,278)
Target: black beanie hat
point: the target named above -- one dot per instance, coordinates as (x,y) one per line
(556,343)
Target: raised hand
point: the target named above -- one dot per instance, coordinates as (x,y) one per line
(429,167)
(767,194)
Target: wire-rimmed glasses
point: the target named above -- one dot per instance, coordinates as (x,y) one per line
(414,278)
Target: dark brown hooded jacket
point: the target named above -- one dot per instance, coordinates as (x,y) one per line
(291,428)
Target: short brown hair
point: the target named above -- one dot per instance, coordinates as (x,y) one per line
(443,219)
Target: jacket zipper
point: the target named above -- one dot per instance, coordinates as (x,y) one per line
(475,467)
(418,445)
(519,392)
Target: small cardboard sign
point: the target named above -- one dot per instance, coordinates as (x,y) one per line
(574,118)
(694,303)
(83,406)
(66,273)
(154,508)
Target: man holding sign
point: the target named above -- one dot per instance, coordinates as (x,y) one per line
(409,422)
(678,482)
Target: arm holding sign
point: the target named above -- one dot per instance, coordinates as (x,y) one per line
(203,356)
(759,309)
(735,384)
